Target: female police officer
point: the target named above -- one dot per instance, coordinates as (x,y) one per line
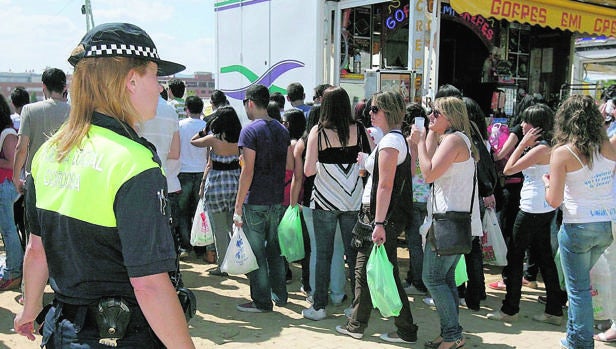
(98,197)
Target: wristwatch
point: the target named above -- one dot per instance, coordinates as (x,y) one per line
(380,223)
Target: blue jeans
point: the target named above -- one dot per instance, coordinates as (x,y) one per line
(581,244)
(188,199)
(413,239)
(439,278)
(12,244)
(269,281)
(336,272)
(325,223)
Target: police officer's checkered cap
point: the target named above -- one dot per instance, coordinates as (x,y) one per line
(122,40)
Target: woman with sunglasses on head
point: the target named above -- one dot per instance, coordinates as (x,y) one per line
(450,167)
(581,181)
(387,202)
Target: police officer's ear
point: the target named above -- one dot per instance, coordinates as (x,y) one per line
(131,85)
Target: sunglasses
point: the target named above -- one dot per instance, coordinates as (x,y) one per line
(436,113)
(245,100)
(374,109)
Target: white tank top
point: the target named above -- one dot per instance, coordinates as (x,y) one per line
(452,190)
(532,195)
(588,192)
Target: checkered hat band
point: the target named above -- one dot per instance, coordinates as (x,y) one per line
(122,50)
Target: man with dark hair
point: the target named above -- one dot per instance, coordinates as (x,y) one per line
(318,93)
(192,165)
(278,98)
(296,96)
(264,144)
(176,96)
(19,98)
(38,122)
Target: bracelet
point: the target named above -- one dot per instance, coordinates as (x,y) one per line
(380,223)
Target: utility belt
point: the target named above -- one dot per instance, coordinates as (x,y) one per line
(225,166)
(113,317)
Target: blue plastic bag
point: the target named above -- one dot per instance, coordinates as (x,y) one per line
(381,282)
(290,235)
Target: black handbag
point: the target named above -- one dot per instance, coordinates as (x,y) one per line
(362,230)
(451,231)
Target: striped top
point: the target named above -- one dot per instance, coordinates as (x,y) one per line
(337,184)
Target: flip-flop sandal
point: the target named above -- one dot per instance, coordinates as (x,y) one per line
(602,337)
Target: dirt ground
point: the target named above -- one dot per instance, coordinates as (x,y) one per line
(218,323)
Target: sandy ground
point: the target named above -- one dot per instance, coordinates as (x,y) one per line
(218,322)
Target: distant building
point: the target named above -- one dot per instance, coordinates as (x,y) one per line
(31,81)
(200,84)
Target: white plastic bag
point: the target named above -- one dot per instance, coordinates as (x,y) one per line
(603,283)
(492,242)
(239,258)
(201,232)
(600,289)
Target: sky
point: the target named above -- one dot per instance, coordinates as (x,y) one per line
(36,34)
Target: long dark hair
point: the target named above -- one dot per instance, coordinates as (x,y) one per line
(226,126)
(296,122)
(336,113)
(476,115)
(541,116)
(5,114)
(313,119)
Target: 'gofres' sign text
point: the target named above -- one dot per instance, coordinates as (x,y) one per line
(576,17)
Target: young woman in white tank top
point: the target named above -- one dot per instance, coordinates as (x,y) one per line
(581,178)
(532,225)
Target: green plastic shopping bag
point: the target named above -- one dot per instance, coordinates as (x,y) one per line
(461,275)
(290,235)
(381,282)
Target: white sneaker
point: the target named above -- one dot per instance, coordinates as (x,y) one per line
(313,314)
(343,330)
(463,302)
(429,301)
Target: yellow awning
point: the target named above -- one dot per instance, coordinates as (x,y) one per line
(561,14)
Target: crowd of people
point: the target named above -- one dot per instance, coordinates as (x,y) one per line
(152,157)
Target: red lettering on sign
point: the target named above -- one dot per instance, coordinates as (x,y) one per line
(570,20)
(605,26)
(517,11)
(481,23)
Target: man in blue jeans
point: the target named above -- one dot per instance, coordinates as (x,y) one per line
(264,144)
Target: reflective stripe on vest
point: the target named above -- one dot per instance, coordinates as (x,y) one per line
(84,185)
